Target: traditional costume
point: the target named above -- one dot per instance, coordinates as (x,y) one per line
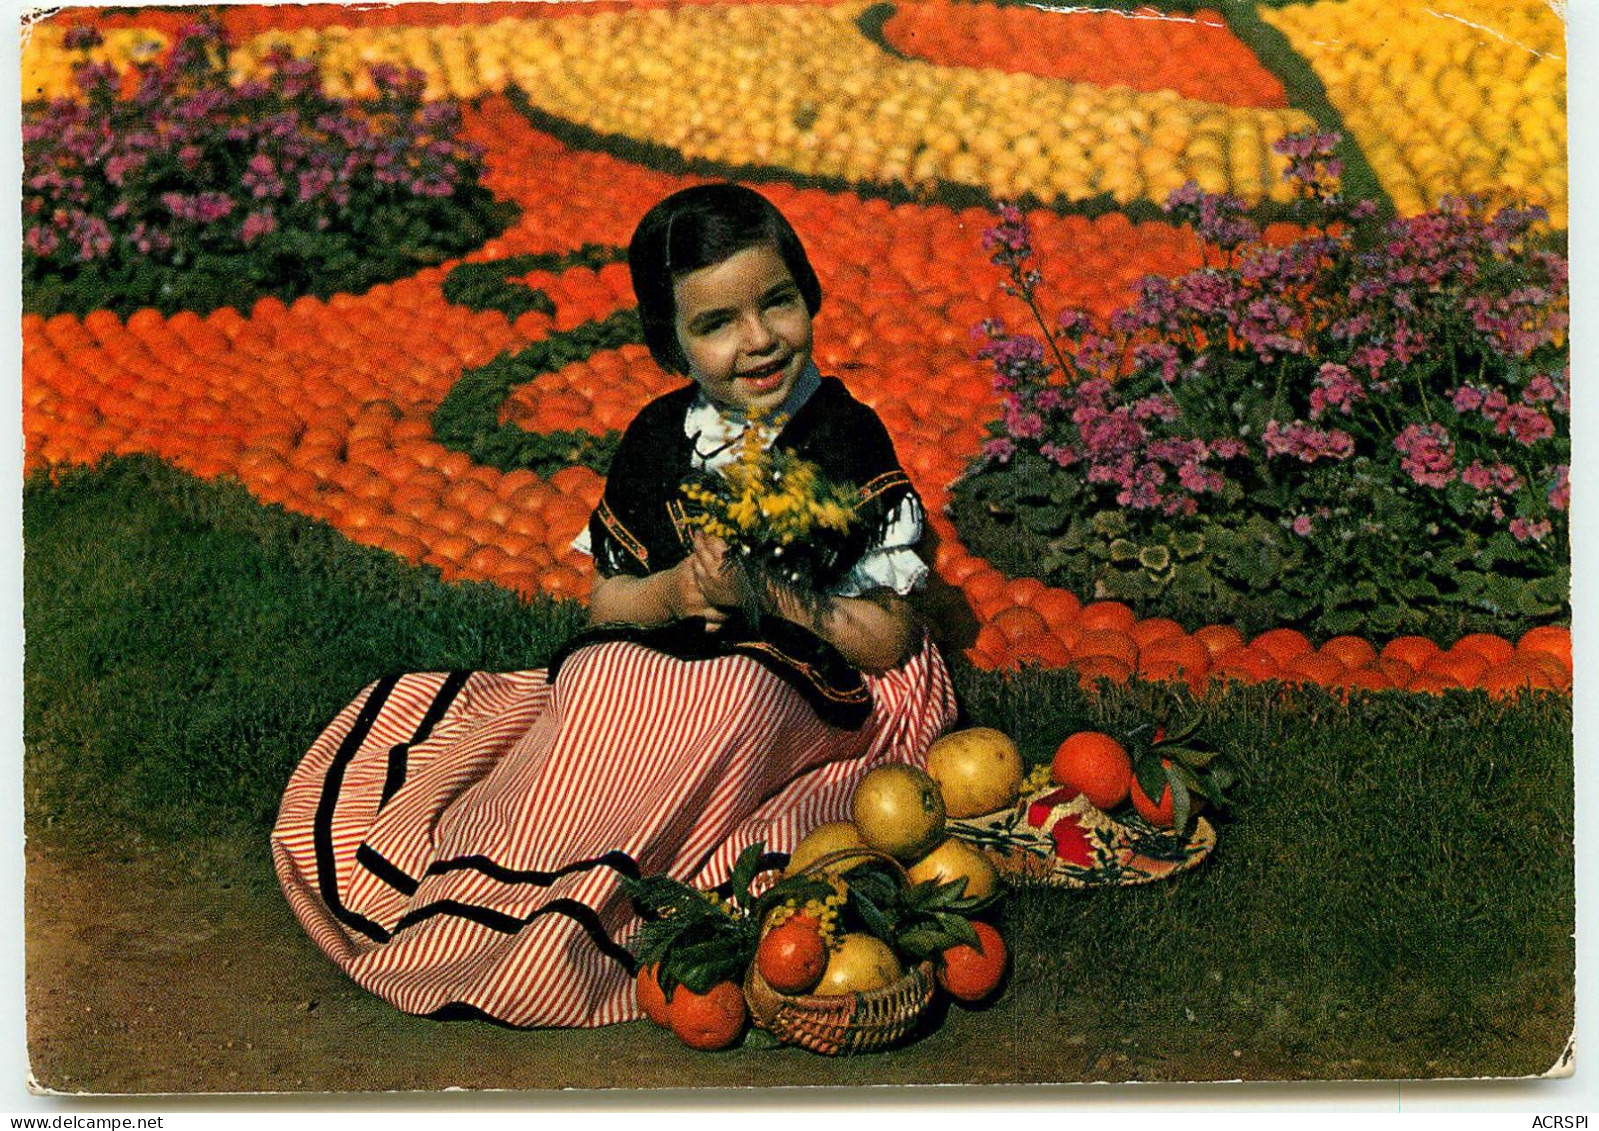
(456,841)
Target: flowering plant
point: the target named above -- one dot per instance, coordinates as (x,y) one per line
(172,187)
(1353,428)
(784,522)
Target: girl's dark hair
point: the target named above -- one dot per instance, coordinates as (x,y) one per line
(699,227)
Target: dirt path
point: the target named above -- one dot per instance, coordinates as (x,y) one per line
(155,969)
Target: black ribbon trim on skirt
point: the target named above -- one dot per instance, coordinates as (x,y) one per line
(436,711)
(835,690)
(390,873)
(580,913)
(327,877)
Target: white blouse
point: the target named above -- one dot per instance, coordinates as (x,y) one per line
(894,564)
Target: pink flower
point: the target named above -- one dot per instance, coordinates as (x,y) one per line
(1526,424)
(1428,454)
(1302,525)
(1335,388)
(1523,531)
(1305,443)
(1560,493)
(258,224)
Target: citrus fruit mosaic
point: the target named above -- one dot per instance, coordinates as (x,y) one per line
(456,416)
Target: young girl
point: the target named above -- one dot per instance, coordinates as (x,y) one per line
(456,841)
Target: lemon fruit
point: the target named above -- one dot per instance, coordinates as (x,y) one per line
(860,964)
(978,771)
(899,810)
(953,860)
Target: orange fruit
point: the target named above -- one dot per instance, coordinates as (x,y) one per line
(1107,615)
(1091,669)
(1219,639)
(1283,644)
(1551,640)
(1516,675)
(1494,649)
(1095,765)
(1465,668)
(1315,667)
(1017,623)
(1413,650)
(1161,814)
(651,999)
(1056,606)
(708,1021)
(1351,651)
(1106,642)
(972,973)
(792,956)
(1146,632)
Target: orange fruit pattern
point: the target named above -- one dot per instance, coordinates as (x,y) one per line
(1195,54)
(325,407)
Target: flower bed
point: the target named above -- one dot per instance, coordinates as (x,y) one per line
(1308,433)
(167,186)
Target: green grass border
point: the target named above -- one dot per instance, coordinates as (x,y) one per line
(468,419)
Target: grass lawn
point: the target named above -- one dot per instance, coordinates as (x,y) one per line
(1392,895)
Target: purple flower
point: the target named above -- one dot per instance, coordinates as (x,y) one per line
(82,38)
(1010,242)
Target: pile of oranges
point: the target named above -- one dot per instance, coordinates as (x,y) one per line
(1193,54)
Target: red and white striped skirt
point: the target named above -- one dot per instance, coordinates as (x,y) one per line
(456,841)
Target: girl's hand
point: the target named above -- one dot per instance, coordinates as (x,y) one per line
(705,584)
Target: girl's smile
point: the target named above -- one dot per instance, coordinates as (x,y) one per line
(744,328)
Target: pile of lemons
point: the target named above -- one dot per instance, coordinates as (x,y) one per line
(728,84)
(1446,96)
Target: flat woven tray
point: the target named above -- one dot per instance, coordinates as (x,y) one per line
(1056,837)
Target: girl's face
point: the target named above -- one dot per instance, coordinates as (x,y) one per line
(744,328)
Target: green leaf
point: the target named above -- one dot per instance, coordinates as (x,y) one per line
(1188,755)
(1181,802)
(1151,775)
(745,869)
(872,916)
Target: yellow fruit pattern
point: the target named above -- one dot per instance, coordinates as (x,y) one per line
(47,64)
(1445,97)
(801,87)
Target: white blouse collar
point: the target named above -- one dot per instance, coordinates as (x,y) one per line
(715,430)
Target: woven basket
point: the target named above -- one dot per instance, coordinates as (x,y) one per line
(839,1024)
